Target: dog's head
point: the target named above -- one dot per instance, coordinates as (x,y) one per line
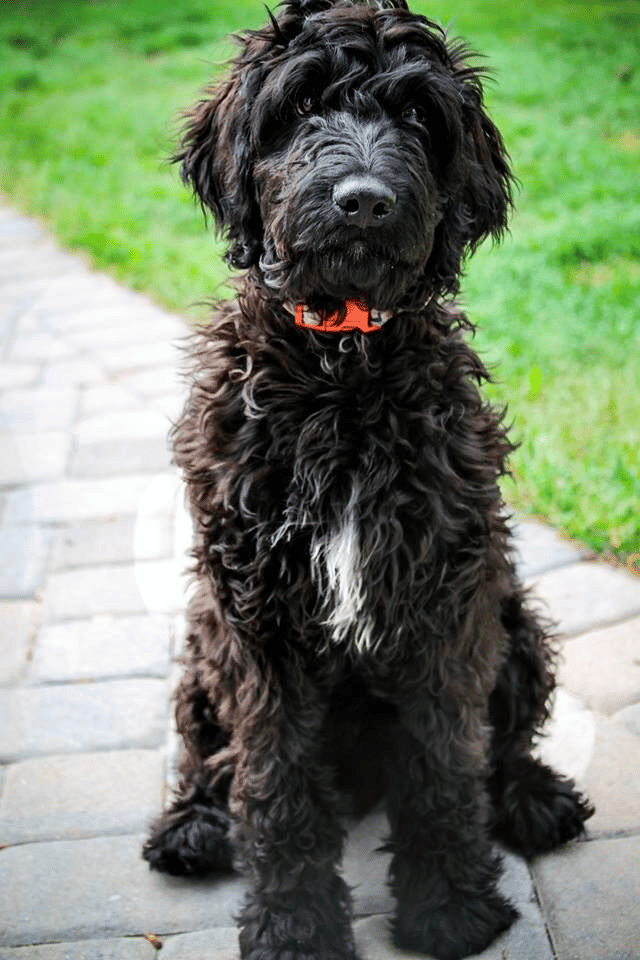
(348,155)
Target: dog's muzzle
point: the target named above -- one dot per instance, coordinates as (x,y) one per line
(353,316)
(364,201)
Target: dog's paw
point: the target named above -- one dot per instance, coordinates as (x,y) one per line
(453,930)
(292,950)
(301,934)
(192,841)
(538,809)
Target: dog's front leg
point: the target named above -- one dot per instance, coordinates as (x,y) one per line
(287,834)
(444,870)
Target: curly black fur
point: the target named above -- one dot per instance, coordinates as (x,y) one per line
(358,628)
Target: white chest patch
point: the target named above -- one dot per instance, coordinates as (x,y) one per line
(337,568)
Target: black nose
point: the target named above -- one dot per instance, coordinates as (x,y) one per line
(364,200)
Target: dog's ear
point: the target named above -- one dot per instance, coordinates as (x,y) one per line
(487,191)
(478,196)
(215,157)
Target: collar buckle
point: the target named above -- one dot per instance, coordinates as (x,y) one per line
(356,317)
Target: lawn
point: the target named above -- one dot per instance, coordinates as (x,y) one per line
(90,94)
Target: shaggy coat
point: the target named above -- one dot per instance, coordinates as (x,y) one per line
(358,633)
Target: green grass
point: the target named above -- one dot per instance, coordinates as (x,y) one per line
(90,93)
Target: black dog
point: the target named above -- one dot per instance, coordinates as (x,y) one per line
(358,628)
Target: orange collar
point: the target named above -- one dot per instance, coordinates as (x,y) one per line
(356,317)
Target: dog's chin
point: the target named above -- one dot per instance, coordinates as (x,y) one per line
(356,272)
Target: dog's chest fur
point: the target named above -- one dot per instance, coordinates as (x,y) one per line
(357,496)
(339,569)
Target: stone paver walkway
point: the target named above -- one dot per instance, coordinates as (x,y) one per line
(92,542)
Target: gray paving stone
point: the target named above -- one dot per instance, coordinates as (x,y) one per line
(124,948)
(114,540)
(19,622)
(569,737)
(95,323)
(583,596)
(29,457)
(136,422)
(515,881)
(14,375)
(25,552)
(603,667)
(221,943)
(166,326)
(123,360)
(163,585)
(104,398)
(365,869)
(14,226)
(81,313)
(170,405)
(112,457)
(603,755)
(79,294)
(373,939)
(131,328)
(100,887)
(539,549)
(156,381)
(113,715)
(590,894)
(43,347)
(18,253)
(79,371)
(612,779)
(40,410)
(150,586)
(17,299)
(173,741)
(43,260)
(13,303)
(630,716)
(69,500)
(90,592)
(27,322)
(80,795)
(103,647)
(13,254)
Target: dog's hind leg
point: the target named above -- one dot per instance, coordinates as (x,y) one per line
(535,808)
(191,837)
(444,870)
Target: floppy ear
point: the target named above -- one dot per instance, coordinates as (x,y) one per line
(216,157)
(487,192)
(478,194)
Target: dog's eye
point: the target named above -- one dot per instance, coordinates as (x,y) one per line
(308,105)
(414,114)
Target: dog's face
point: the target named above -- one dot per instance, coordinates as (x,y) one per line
(348,156)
